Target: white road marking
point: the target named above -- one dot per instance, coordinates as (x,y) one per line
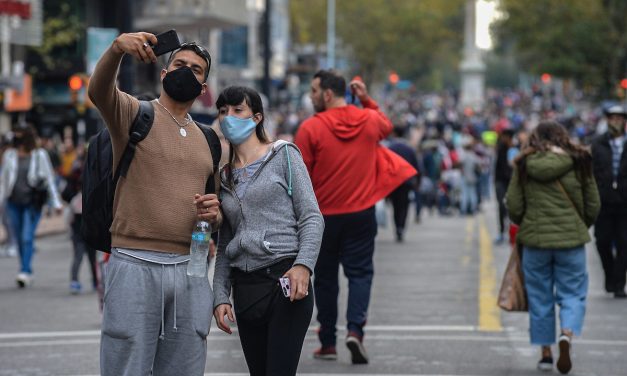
(335,374)
(370,328)
(371,336)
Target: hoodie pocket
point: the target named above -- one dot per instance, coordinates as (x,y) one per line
(275,242)
(231,249)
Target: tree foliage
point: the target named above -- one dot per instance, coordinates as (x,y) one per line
(583,40)
(420,40)
(63,33)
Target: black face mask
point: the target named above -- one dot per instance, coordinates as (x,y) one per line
(17,142)
(181,85)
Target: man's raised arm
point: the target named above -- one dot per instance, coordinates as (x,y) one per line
(102,90)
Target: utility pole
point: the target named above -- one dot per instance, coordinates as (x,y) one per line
(5,31)
(267,52)
(330,34)
(125,25)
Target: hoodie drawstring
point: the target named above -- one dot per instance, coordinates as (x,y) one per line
(289,169)
(175,328)
(162,336)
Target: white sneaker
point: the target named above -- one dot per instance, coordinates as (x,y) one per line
(11,251)
(24,280)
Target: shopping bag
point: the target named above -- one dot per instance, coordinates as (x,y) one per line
(512,294)
(381,214)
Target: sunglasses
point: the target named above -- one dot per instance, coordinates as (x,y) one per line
(198,49)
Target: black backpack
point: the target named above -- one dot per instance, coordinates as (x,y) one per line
(99,182)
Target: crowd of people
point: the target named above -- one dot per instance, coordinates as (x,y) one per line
(296,204)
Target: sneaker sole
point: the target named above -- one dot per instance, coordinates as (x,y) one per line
(563,363)
(545,367)
(326,356)
(358,352)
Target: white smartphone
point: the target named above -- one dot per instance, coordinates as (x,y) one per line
(285,286)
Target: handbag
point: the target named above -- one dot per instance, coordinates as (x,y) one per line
(256,293)
(512,294)
(39,192)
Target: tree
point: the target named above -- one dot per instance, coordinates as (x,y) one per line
(583,40)
(420,40)
(63,36)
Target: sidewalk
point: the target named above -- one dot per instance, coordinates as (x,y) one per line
(54,224)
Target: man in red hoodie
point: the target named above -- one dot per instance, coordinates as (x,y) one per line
(350,172)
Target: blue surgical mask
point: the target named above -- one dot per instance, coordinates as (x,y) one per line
(237,130)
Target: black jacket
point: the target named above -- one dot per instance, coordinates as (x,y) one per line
(612,190)
(502,169)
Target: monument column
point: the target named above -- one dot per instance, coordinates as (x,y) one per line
(472,68)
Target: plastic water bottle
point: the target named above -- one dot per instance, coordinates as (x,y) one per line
(199,250)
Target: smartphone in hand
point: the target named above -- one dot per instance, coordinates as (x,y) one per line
(285,286)
(166,42)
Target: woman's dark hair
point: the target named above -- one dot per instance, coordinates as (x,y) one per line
(546,135)
(235,95)
(29,136)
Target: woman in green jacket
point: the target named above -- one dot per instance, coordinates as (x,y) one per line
(554,199)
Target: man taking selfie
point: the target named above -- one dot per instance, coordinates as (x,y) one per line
(156,318)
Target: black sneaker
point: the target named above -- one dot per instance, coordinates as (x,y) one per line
(564,363)
(546,364)
(620,294)
(357,349)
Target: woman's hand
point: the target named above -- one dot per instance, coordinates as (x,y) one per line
(219,313)
(299,282)
(207,207)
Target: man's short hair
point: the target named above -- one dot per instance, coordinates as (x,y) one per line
(331,80)
(198,50)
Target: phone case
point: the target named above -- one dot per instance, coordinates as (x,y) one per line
(285,286)
(166,42)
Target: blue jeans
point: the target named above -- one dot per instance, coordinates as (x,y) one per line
(348,240)
(555,276)
(23,220)
(469,198)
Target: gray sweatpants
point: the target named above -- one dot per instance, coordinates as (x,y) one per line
(156,319)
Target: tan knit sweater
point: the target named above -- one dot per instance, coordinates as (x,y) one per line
(154,205)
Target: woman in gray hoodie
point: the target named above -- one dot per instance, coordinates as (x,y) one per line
(272,230)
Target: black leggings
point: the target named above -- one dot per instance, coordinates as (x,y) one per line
(271,328)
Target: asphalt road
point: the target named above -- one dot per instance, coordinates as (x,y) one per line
(432,313)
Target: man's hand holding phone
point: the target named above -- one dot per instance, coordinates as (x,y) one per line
(358,88)
(136,45)
(146,46)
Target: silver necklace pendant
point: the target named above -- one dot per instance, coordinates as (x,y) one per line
(183,132)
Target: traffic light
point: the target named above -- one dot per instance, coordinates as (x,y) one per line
(623,83)
(393,78)
(76,84)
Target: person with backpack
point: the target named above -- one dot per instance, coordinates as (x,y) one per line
(155,318)
(26,183)
(72,194)
(554,199)
(272,230)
